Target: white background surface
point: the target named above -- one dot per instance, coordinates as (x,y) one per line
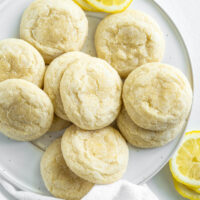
(186,15)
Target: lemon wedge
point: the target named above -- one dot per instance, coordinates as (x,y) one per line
(110,6)
(185,163)
(185,191)
(85,6)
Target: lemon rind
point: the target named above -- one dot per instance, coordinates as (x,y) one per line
(109,9)
(89,8)
(197,190)
(192,132)
(183,193)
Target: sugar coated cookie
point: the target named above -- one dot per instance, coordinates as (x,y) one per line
(99,156)
(144,138)
(58,124)
(157,96)
(53,77)
(92,94)
(58,178)
(54,27)
(129,39)
(26,112)
(18,59)
(90,90)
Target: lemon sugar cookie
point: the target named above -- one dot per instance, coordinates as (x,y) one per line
(58,178)
(53,77)
(90,90)
(99,156)
(18,59)
(26,112)
(144,138)
(157,96)
(54,27)
(129,39)
(91,95)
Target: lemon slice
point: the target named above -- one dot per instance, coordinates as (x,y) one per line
(83,4)
(185,191)
(111,6)
(185,163)
(195,189)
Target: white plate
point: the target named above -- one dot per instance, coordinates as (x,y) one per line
(19,162)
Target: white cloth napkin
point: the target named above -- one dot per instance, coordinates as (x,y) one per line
(121,190)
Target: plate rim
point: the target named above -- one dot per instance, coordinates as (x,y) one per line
(192,86)
(20,185)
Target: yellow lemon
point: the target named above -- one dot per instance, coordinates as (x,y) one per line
(110,6)
(195,189)
(185,191)
(86,6)
(185,163)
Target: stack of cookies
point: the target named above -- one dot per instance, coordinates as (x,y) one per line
(86,93)
(157,100)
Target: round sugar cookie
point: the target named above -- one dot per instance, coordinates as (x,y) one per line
(26,112)
(18,59)
(144,138)
(58,178)
(90,90)
(157,96)
(53,77)
(99,156)
(58,124)
(54,27)
(129,39)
